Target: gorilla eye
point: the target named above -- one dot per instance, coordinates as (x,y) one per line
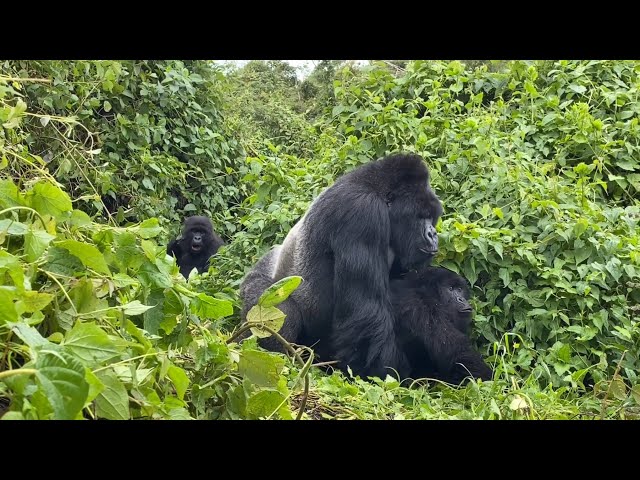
(450,288)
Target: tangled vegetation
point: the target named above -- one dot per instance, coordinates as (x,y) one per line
(537,165)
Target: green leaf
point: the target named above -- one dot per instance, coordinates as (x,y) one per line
(261,368)
(7,308)
(12,264)
(279,291)
(460,244)
(13,227)
(89,255)
(106,106)
(271,317)
(498,213)
(264,403)
(60,261)
(149,228)
(482,245)
(498,248)
(29,335)
(90,343)
(113,402)
(35,243)
(179,379)
(149,249)
(79,219)
(505,275)
(564,353)
(206,306)
(530,88)
(578,88)
(135,308)
(61,377)
(9,196)
(95,385)
(48,199)
(31,301)
(12,416)
(580,227)
(582,254)
(613,267)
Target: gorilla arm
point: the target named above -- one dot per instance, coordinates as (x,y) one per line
(362,319)
(455,357)
(174,248)
(449,349)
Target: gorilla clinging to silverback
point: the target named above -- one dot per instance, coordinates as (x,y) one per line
(195,246)
(375,219)
(433,314)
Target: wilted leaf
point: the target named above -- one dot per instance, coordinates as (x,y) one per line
(518,403)
(618,388)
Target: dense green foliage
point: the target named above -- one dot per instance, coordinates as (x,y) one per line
(537,165)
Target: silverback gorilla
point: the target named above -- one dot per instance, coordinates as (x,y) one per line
(377,218)
(196,245)
(433,314)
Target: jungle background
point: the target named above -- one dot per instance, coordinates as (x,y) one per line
(537,164)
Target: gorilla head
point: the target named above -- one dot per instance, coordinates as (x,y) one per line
(452,299)
(196,245)
(378,219)
(433,314)
(413,213)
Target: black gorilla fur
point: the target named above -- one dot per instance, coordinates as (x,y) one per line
(432,320)
(379,217)
(195,246)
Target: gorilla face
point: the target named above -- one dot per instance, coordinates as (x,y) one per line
(455,298)
(197,239)
(413,215)
(197,233)
(453,294)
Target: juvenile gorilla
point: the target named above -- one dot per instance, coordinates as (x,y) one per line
(195,246)
(379,217)
(432,319)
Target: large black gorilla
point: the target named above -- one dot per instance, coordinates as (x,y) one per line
(433,314)
(375,219)
(195,246)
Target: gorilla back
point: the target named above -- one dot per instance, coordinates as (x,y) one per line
(380,215)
